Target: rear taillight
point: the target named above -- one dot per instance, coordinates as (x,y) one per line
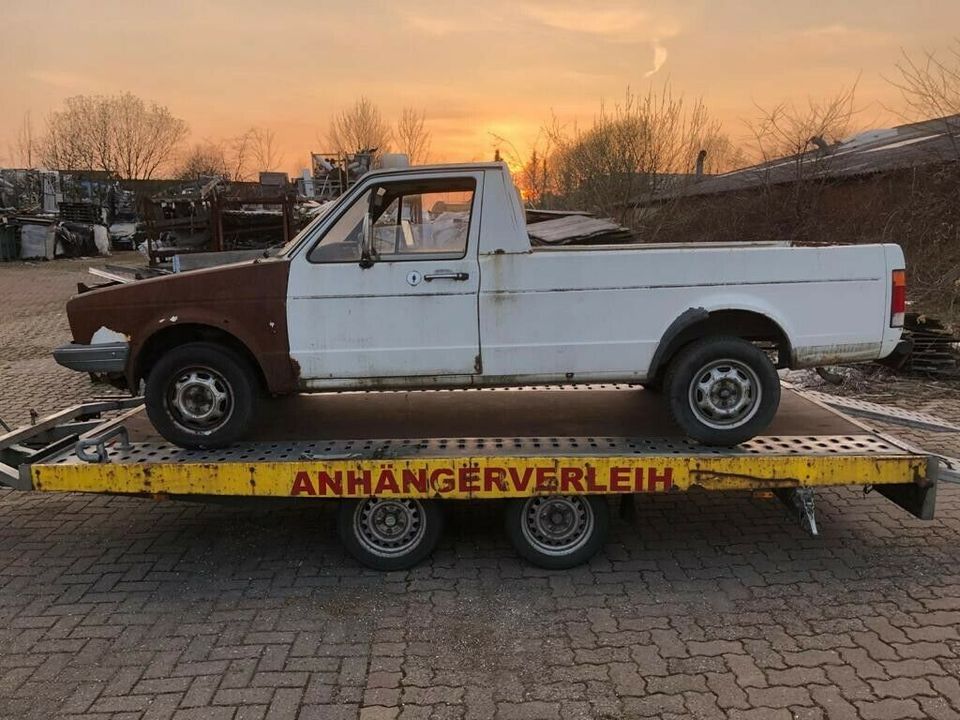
(898,298)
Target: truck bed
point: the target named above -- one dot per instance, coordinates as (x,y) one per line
(587,411)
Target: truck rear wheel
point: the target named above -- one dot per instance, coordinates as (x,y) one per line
(390,533)
(557,531)
(722,390)
(201,395)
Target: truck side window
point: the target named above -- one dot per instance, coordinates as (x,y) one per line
(417,219)
(432,223)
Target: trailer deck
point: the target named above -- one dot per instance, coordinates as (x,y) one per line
(399,449)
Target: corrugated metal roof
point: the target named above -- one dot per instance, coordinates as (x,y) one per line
(873,151)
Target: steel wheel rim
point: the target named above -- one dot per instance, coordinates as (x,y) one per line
(725,394)
(200,399)
(557,525)
(388,527)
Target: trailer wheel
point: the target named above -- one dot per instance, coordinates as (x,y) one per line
(201,395)
(722,390)
(390,533)
(557,531)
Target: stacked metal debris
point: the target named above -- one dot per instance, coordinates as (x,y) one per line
(935,346)
(579,230)
(81,212)
(928,347)
(334,173)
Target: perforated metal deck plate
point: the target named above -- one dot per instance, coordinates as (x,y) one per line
(394,449)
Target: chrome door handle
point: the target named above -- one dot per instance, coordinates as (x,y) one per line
(446,275)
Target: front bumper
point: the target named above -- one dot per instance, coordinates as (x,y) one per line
(101,358)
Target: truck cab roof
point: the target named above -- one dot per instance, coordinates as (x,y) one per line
(440,167)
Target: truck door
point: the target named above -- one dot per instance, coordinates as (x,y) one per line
(405,307)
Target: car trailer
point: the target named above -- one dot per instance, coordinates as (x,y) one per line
(555,455)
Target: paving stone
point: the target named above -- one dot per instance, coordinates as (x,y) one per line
(729,694)
(779,697)
(913,668)
(528,711)
(938,709)
(834,704)
(746,671)
(653,705)
(122,607)
(379,713)
(890,710)
(797,676)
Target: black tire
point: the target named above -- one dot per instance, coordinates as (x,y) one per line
(575,538)
(206,374)
(746,386)
(369,539)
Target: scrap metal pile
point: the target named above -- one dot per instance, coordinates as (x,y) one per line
(935,347)
(574,228)
(333,173)
(46,214)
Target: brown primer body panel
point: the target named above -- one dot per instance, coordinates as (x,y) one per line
(247,301)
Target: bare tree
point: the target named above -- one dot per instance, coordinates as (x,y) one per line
(413,138)
(930,82)
(634,151)
(722,155)
(68,143)
(789,129)
(237,151)
(805,135)
(362,127)
(120,134)
(531,175)
(207,159)
(264,152)
(24,150)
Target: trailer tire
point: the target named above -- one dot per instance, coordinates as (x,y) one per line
(722,390)
(390,533)
(201,395)
(557,532)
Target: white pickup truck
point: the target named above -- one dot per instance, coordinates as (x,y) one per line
(425,277)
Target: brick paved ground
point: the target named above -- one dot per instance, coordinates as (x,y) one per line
(709,606)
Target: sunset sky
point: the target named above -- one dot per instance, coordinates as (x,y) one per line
(476,68)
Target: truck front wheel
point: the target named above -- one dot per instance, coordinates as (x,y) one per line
(201,395)
(722,390)
(557,532)
(390,533)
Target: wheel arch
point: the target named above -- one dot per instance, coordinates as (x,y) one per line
(695,323)
(178,334)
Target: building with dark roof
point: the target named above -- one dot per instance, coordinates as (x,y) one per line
(930,142)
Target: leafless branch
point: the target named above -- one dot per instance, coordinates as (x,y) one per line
(361,127)
(412,135)
(120,134)
(929,82)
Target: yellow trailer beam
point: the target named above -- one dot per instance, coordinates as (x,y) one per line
(482,477)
